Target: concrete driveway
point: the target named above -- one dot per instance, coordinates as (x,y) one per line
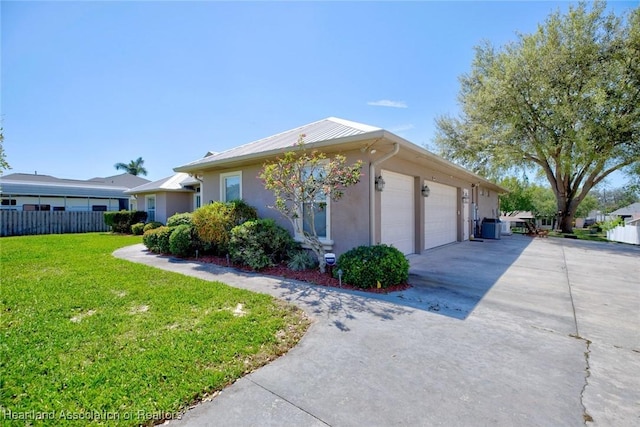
(517,331)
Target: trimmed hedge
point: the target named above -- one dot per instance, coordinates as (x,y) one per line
(180,219)
(121,221)
(260,243)
(151,225)
(157,240)
(138,229)
(182,241)
(213,222)
(364,266)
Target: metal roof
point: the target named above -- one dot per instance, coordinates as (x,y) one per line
(30,188)
(323,130)
(176,182)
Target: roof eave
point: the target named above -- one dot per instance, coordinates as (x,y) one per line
(200,166)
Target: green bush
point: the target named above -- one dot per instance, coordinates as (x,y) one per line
(151,225)
(181,241)
(180,219)
(260,243)
(121,221)
(301,260)
(157,239)
(213,222)
(138,229)
(364,266)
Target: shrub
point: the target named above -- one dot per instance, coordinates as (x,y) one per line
(181,241)
(157,239)
(260,243)
(138,229)
(364,266)
(151,225)
(301,260)
(180,219)
(121,221)
(213,222)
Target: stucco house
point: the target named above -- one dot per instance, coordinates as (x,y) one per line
(407,197)
(36,192)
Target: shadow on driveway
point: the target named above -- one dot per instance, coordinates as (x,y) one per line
(451,280)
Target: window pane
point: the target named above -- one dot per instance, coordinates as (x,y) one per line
(320,220)
(232,188)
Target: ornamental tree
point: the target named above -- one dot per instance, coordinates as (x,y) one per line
(302,182)
(564,101)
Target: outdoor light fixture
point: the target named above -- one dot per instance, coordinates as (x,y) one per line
(465,198)
(425,191)
(379,183)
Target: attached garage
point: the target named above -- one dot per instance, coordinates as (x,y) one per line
(398,212)
(440,215)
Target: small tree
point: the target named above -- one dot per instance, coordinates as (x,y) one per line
(134,167)
(302,182)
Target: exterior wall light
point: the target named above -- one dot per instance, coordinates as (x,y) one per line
(425,191)
(379,183)
(465,198)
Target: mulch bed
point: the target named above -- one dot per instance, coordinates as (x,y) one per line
(312,276)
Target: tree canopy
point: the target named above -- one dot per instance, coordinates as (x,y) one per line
(134,167)
(4,165)
(564,100)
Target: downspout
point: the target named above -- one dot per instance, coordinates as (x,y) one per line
(372,191)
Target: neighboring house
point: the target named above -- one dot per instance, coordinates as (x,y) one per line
(407,197)
(628,212)
(516,220)
(175,194)
(33,192)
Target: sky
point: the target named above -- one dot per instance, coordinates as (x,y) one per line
(85,85)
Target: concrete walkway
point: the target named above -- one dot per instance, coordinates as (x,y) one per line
(518,331)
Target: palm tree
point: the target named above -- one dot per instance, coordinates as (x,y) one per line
(134,167)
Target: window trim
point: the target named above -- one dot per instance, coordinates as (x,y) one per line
(223,188)
(155,205)
(326,241)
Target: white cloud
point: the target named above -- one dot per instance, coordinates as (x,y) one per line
(402,128)
(388,103)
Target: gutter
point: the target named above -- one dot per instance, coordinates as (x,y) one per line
(372,191)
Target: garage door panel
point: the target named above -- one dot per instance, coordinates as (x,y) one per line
(398,212)
(440,216)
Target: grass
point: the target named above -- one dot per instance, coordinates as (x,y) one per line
(87,336)
(583,234)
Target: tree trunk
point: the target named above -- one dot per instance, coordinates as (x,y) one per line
(566,223)
(566,213)
(318,250)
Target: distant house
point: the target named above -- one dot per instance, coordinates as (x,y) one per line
(33,192)
(628,212)
(407,197)
(174,194)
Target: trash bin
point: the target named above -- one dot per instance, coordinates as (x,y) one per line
(491,228)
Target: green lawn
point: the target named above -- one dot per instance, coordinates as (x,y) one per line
(88,336)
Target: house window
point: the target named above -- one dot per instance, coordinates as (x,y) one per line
(231,186)
(197,199)
(321,211)
(99,208)
(8,202)
(151,208)
(33,207)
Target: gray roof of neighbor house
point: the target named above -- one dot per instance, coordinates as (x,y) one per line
(20,184)
(175,183)
(631,210)
(330,132)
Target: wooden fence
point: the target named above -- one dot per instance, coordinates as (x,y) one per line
(20,223)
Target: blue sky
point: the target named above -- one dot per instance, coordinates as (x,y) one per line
(88,84)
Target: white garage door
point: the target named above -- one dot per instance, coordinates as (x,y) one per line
(440,215)
(398,210)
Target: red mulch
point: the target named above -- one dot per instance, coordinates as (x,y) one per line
(311,276)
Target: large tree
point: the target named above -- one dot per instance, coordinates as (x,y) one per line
(134,167)
(564,100)
(3,159)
